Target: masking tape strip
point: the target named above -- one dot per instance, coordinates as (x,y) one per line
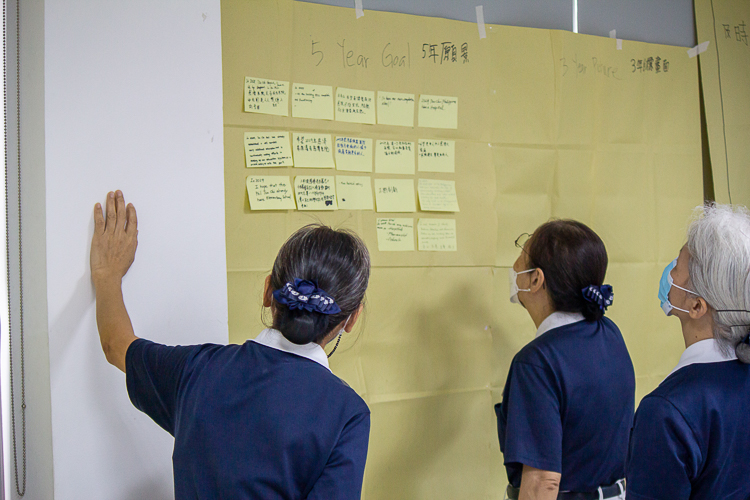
(480,21)
(701,47)
(359,11)
(613,34)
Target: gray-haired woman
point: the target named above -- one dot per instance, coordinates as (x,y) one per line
(690,437)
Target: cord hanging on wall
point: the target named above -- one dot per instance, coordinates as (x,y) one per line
(20,483)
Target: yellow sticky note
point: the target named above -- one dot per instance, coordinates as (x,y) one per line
(436,156)
(312,101)
(268,149)
(395,235)
(437,235)
(437,196)
(395,195)
(271,192)
(270,97)
(355,106)
(315,192)
(394,157)
(395,108)
(312,150)
(354,192)
(354,154)
(437,111)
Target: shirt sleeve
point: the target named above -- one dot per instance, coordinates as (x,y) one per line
(664,454)
(533,427)
(342,476)
(153,373)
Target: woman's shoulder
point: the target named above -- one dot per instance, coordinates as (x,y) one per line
(349,394)
(701,380)
(568,340)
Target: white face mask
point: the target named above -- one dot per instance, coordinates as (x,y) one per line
(513,275)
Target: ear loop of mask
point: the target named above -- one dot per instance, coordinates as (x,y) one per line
(671,283)
(338,337)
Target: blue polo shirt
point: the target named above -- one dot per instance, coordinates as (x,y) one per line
(251,421)
(568,406)
(691,436)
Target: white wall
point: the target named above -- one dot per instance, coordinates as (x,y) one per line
(133,101)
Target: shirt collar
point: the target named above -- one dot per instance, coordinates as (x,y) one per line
(703,351)
(276,340)
(558,319)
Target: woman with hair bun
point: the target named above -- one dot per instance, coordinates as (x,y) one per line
(265,419)
(569,397)
(690,438)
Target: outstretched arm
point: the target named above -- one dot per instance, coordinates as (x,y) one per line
(112,252)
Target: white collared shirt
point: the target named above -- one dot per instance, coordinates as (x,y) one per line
(558,319)
(276,340)
(703,351)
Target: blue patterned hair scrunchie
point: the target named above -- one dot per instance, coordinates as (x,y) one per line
(600,295)
(305,294)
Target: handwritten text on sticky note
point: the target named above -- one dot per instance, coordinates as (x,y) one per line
(312,101)
(395,195)
(354,154)
(395,108)
(354,192)
(268,149)
(395,235)
(436,156)
(438,111)
(436,235)
(315,192)
(394,157)
(312,150)
(356,106)
(269,97)
(437,196)
(271,192)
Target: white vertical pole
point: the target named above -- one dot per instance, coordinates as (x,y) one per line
(575,16)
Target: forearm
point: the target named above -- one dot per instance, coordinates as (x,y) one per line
(115,329)
(537,484)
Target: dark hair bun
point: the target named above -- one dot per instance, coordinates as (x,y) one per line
(300,326)
(591,311)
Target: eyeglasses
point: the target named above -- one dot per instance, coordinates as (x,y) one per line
(521,243)
(522,240)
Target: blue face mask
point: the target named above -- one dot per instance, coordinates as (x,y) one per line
(665,284)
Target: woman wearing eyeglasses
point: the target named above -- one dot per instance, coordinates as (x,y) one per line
(690,437)
(569,398)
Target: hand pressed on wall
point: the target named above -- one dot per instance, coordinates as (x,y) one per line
(115,238)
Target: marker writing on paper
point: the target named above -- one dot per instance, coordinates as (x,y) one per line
(392,55)
(650,64)
(445,52)
(391,60)
(579,68)
(348,59)
(740,33)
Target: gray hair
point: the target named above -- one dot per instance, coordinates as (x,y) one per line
(719,269)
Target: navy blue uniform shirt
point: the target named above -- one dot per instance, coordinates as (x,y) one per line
(691,437)
(568,406)
(251,421)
